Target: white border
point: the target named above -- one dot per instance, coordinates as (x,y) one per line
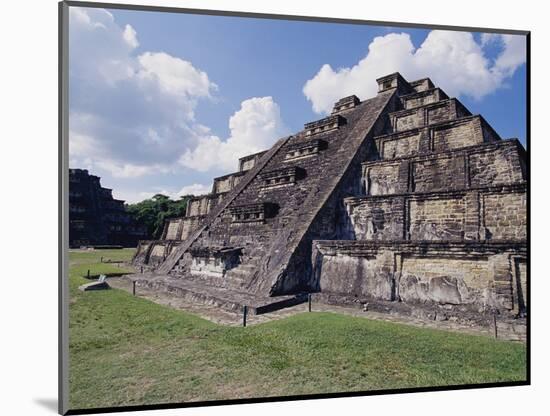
(29,215)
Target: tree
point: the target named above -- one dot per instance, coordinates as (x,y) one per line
(154,211)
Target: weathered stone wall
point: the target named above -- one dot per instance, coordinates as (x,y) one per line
(497,166)
(365,275)
(405,144)
(437,112)
(490,164)
(519,284)
(181,227)
(409,119)
(385,179)
(445,111)
(436,174)
(377,218)
(423,98)
(151,253)
(445,280)
(142,252)
(449,135)
(465,132)
(490,213)
(95,217)
(394,82)
(479,277)
(227,182)
(248,162)
(198,206)
(202,205)
(172,231)
(421,85)
(224,184)
(331,220)
(504,215)
(158,250)
(440,218)
(190,224)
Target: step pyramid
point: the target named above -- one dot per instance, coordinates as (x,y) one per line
(404,197)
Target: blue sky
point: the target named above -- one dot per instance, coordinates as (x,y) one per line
(163,102)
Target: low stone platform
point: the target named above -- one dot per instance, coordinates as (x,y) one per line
(94,286)
(447,317)
(225,298)
(320,304)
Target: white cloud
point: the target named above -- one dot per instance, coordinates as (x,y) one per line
(133,114)
(130,36)
(254,127)
(130,114)
(81,145)
(453,60)
(513,54)
(194,189)
(174,75)
(129,170)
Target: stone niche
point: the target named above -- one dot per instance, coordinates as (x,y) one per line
(439,217)
(384,178)
(181,227)
(346,103)
(172,228)
(329,123)
(400,144)
(421,85)
(367,275)
(305,149)
(421,98)
(504,214)
(377,218)
(141,252)
(467,131)
(281,177)
(227,182)
(214,261)
(253,213)
(394,80)
(158,252)
(248,162)
(203,204)
(445,280)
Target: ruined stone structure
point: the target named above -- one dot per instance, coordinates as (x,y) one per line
(406,202)
(95,217)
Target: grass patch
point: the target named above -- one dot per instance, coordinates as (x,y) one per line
(130,351)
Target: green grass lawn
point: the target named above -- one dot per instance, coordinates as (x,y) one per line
(130,351)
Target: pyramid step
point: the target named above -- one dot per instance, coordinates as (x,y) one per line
(444,136)
(428,114)
(421,98)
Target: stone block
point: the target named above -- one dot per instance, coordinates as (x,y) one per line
(94,286)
